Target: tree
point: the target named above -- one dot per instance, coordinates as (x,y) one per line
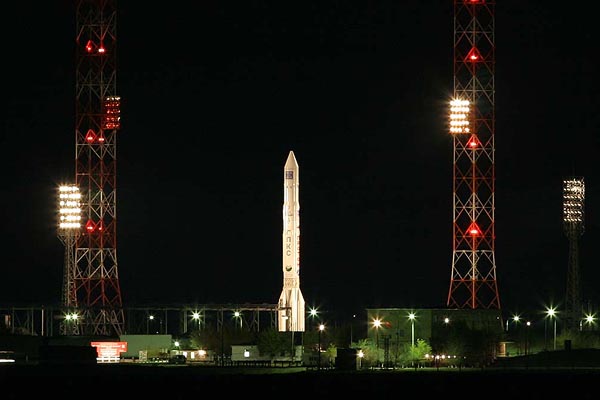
(272,342)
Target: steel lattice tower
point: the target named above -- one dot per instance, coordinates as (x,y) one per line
(97,121)
(573,224)
(473,278)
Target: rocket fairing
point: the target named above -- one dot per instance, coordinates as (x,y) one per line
(291,302)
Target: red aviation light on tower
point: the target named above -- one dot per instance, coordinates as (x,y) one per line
(90,226)
(473,142)
(89,46)
(474,56)
(459,116)
(90,136)
(474,230)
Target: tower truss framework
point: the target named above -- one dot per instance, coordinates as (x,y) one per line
(97,118)
(473,278)
(573,225)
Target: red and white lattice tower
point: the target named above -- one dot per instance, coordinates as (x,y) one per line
(97,122)
(472,117)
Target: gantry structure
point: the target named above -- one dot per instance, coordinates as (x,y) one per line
(573,225)
(97,118)
(472,118)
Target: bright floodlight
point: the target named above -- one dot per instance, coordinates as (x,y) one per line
(412,316)
(551,312)
(573,200)
(69,209)
(377,323)
(321,327)
(459,116)
(516,318)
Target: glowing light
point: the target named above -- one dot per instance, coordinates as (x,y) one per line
(459,116)
(69,207)
(573,201)
(89,46)
(473,55)
(90,136)
(474,230)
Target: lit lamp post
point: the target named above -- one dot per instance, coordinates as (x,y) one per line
(321,329)
(196,317)
(412,317)
(589,320)
(72,318)
(238,315)
(527,324)
(377,325)
(551,313)
(150,318)
(313,314)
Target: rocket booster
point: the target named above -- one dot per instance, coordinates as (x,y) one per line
(291,302)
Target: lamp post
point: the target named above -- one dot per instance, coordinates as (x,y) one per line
(150,318)
(196,317)
(589,320)
(527,324)
(238,315)
(411,317)
(321,329)
(377,325)
(551,313)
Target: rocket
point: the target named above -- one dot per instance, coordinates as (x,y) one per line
(291,302)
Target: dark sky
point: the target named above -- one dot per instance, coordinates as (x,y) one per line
(215,95)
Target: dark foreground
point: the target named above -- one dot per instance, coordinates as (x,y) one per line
(187,382)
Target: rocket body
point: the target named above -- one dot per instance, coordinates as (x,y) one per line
(291,302)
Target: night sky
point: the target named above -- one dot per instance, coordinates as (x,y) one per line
(216,94)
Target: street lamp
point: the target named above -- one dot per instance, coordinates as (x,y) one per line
(551,313)
(377,325)
(313,314)
(238,315)
(150,318)
(411,317)
(321,329)
(589,320)
(527,324)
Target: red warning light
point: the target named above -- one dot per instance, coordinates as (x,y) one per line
(472,142)
(474,230)
(90,136)
(474,55)
(90,226)
(89,46)
(101,50)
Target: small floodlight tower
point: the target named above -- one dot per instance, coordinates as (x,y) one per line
(573,211)
(69,225)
